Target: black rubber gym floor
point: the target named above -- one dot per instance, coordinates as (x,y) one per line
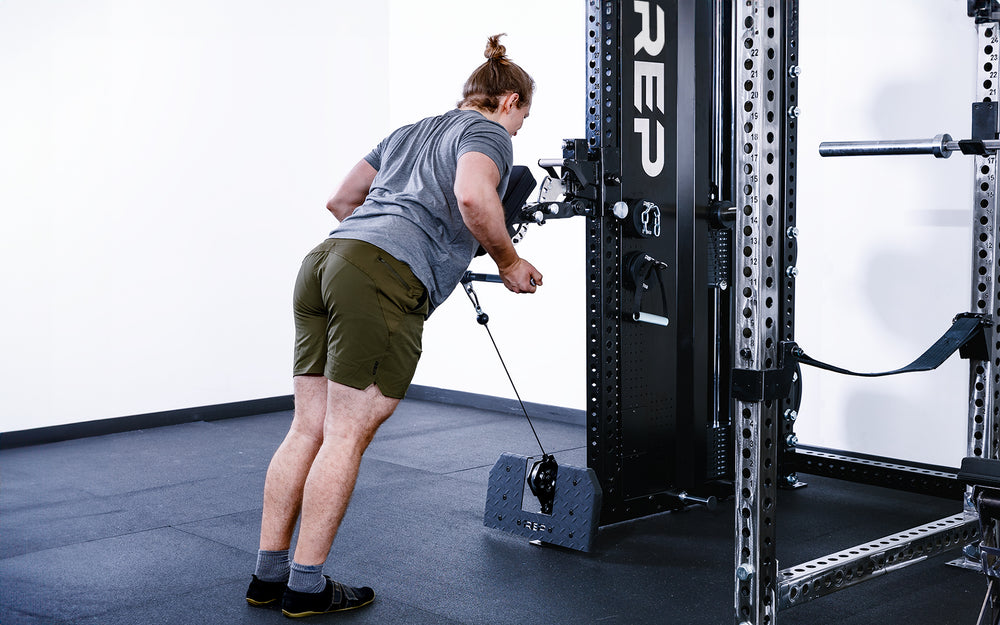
(160,526)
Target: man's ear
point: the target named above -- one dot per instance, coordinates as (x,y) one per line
(511,101)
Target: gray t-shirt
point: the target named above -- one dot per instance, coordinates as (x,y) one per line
(411,211)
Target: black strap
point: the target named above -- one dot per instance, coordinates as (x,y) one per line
(642,269)
(962,333)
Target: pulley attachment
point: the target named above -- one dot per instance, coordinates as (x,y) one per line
(572,520)
(542,482)
(569,497)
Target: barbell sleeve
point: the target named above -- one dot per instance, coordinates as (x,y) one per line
(940,146)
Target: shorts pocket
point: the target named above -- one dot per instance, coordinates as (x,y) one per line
(413,297)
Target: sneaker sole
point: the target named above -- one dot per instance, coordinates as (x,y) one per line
(310,613)
(270,603)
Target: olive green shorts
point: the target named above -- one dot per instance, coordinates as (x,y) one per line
(359,317)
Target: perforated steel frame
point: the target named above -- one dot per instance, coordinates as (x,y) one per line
(761,590)
(764,57)
(762,164)
(826,575)
(985,375)
(604,252)
(652,429)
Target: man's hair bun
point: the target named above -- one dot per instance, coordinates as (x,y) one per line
(496,51)
(497,76)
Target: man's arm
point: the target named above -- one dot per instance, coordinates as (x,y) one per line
(476,183)
(352,191)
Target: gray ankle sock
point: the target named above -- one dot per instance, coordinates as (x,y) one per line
(306,578)
(272,566)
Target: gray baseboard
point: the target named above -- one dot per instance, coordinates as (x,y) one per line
(496,404)
(100,427)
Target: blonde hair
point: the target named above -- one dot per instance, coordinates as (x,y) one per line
(497,76)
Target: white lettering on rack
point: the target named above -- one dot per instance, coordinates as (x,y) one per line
(648,86)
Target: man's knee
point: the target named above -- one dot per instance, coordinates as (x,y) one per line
(357,414)
(304,435)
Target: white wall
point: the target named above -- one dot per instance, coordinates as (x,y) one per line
(541,336)
(885,247)
(163,168)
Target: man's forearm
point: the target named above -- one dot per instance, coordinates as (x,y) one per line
(352,191)
(484,218)
(341,209)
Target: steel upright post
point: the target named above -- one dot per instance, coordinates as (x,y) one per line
(984,375)
(759,271)
(984,404)
(604,250)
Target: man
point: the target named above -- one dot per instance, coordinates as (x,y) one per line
(412,214)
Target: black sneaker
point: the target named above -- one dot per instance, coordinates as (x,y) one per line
(263,594)
(334,598)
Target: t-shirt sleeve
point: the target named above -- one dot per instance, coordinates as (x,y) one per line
(492,140)
(374,157)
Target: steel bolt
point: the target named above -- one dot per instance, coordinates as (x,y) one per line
(972,551)
(791,415)
(620,210)
(744,573)
(792,271)
(791,440)
(792,479)
(792,232)
(794,112)
(794,71)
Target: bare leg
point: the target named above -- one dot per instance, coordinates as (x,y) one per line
(289,467)
(352,418)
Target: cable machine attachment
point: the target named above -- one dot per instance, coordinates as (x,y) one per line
(569,498)
(639,271)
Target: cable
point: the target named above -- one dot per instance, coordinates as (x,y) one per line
(483,320)
(515,389)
